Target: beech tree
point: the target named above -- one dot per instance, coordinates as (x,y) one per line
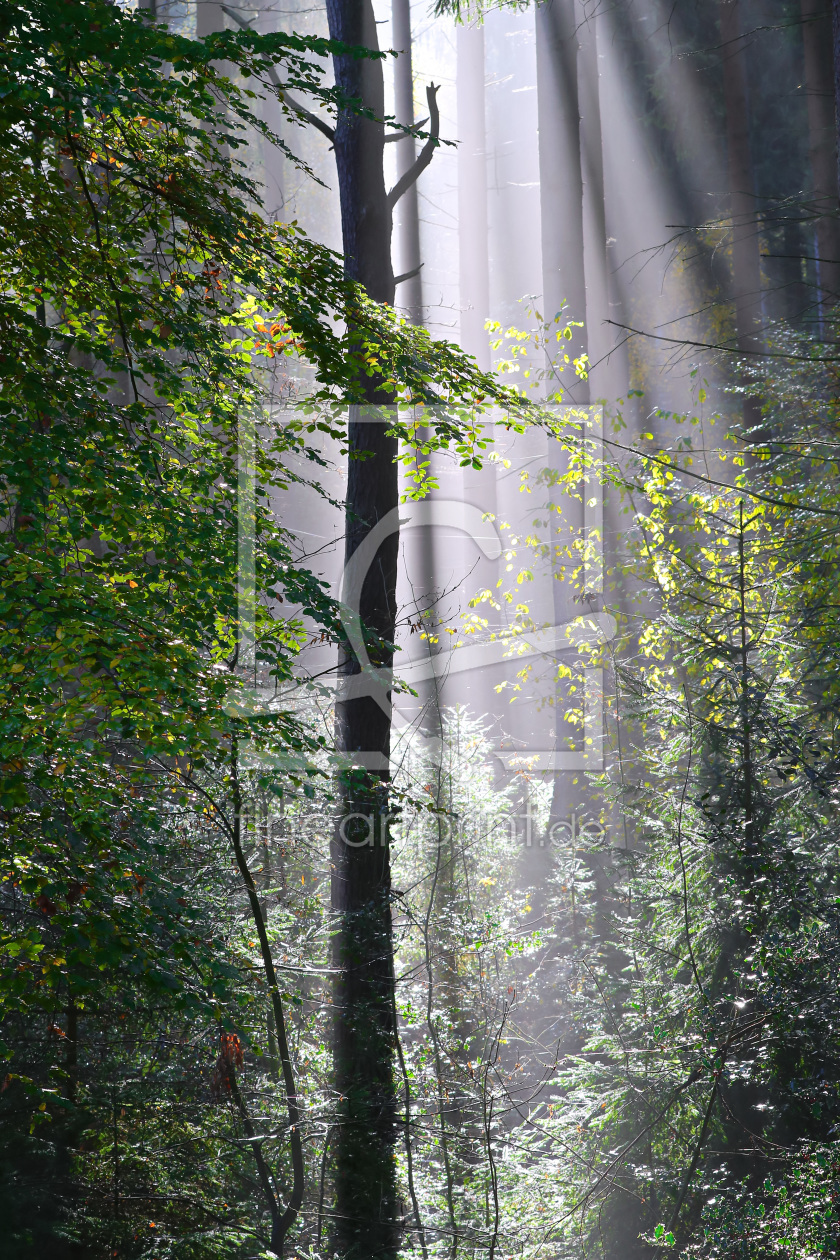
(367,1218)
(147,306)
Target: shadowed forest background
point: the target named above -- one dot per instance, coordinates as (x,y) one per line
(419,639)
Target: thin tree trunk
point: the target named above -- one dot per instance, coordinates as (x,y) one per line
(746,274)
(598,338)
(211,18)
(745,258)
(408,216)
(366,1217)
(816,46)
(283,1221)
(574,243)
(473,266)
(436,901)
(561,181)
(478,485)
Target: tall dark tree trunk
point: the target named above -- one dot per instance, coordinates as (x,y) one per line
(366,1224)
(746,272)
(362,1146)
(835,44)
(816,46)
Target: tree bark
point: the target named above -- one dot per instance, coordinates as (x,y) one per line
(209,17)
(835,44)
(366,1202)
(745,257)
(359,150)
(561,180)
(746,273)
(816,46)
(366,1222)
(408,220)
(564,279)
(598,337)
(574,249)
(473,267)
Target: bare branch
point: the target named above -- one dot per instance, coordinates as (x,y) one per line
(408,275)
(405,131)
(426,153)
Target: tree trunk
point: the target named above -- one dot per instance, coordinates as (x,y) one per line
(209,17)
(478,485)
(835,22)
(408,218)
(561,181)
(366,1224)
(598,338)
(363,1030)
(746,274)
(816,45)
(359,149)
(745,257)
(473,267)
(574,255)
(563,272)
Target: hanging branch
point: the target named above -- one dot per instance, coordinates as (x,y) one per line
(426,153)
(300,110)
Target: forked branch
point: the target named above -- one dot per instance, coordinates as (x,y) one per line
(426,153)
